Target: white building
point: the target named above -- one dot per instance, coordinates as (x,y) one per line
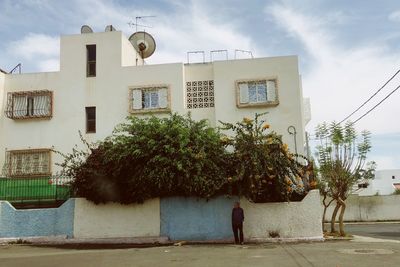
(99,85)
(384,183)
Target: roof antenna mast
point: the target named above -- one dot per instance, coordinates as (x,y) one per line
(136,24)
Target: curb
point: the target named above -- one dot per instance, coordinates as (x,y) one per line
(64,241)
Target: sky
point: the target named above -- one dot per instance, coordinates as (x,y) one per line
(346,49)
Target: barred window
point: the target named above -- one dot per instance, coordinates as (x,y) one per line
(257,93)
(200,94)
(32,104)
(27,163)
(149,99)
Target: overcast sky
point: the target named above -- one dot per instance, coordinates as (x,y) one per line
(347,49)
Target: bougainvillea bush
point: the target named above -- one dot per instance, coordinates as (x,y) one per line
(176,156)
(263,169)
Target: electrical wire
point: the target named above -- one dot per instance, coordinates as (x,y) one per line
(380,102)
(372,96)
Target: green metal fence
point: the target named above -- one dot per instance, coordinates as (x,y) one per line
(38,189)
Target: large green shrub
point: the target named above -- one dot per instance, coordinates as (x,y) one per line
(177,156)
(152,157)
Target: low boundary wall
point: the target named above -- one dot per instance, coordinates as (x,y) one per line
(199,220)
(289,219)
(36,222)
(177,218)
(116,220)
(370,208)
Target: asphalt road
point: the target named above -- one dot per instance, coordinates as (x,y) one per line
(378,230)
(319,254)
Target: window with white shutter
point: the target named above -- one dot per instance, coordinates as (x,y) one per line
(29,105)
(149,99)
(260,92)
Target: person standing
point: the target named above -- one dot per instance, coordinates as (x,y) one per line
(237,223)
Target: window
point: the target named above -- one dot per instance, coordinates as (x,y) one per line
(149,99)
(27,105)
(91,60)
(90,119)
(200,94)
(257,93)
(27,163)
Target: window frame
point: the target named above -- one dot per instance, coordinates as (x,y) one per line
(87,120)
(267,103)
(145,88)
(29,112)
(91,62)
(12,153)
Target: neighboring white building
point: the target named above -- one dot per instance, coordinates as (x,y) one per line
(384,183)
(99,85)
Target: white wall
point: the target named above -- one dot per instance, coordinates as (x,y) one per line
(116,220)
(109,92)
(370,208)
(2,118)
(288,112)
(289,219)
(382,184)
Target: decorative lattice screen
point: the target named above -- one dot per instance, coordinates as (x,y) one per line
(200,94)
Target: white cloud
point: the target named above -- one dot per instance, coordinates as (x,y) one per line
(394,16)
(340,78)
(35,45)
(49,65)
(39,49)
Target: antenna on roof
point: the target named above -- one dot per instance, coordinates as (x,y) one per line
(131,24)
(86,29)
(109,28)
(143,42)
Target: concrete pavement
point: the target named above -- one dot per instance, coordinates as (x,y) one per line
(340,253)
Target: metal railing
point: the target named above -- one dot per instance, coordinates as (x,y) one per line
(34,190)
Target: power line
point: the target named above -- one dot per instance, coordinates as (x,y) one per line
(380,102)
(363,104)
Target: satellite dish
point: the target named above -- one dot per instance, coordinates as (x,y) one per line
(109,28)
(86,29)
(143,43)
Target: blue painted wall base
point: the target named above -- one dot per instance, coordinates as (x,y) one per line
(197,219)
(37,222)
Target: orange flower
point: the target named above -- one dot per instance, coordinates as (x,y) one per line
(285,147)
(266,126)
(247,120)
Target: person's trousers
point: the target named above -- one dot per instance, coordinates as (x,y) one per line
(238,232)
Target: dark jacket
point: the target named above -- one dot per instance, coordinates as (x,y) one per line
(237,215)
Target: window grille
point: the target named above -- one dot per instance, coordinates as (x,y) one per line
(30,104)
(27,163)
(200,94)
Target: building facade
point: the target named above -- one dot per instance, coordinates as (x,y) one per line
(385,182)
(100,83)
